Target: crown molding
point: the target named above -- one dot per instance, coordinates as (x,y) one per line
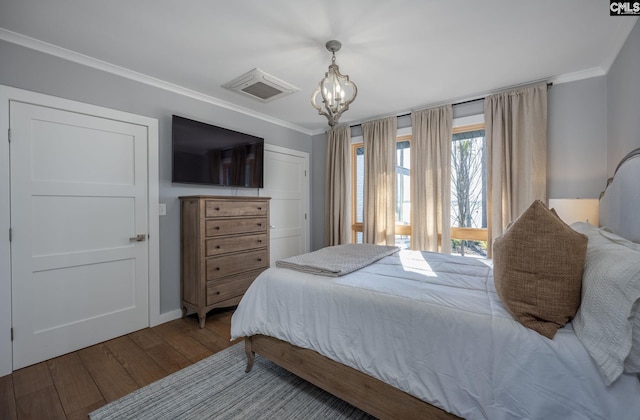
(85,60)
(578,75)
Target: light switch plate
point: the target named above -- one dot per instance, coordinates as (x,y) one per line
(162,209)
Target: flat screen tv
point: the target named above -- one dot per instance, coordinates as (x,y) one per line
(206,154)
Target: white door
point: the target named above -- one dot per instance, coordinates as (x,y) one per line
(287,183)
(78,196)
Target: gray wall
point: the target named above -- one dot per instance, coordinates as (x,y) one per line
(576,143)
(623,101)
(35,71)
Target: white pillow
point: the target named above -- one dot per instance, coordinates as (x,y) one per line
(632,363)
(607,317)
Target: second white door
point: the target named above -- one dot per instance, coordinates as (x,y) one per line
(287,183)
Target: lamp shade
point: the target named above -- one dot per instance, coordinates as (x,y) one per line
(576,209)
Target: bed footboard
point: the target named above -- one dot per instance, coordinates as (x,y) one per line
(363,391)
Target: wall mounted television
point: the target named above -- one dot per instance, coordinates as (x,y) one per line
(205,154)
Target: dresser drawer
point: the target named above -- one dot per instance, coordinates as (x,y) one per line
(226,244)
(217,227)
(226,265)
(221,208)
(229,287)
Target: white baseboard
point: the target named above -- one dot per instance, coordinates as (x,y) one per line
(166,317)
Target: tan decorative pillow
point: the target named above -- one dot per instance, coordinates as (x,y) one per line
(537,267)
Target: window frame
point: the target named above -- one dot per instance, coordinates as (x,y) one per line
(465,233)
(357,227)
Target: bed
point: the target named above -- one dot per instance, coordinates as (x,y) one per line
(425,335)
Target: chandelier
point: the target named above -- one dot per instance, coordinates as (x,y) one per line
(335,92)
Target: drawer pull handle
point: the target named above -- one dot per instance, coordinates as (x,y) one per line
(217,228)
(217,246)
(259,224)
(217,209)
(259,208)
(217,268)
(259,259)
(218,292)
(259,241)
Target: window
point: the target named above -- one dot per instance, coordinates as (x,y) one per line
(403,192)
(468,191)
(357,208)
(402,186)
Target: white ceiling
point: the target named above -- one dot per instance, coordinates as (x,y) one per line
(402,54)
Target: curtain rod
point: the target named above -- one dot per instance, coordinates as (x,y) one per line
(468,101)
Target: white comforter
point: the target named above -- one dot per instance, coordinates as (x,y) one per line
(432,325)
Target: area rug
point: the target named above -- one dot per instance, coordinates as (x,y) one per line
(218,388)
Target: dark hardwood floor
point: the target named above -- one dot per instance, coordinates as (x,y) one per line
(73,385)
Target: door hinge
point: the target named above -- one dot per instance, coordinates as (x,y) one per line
(305,172)
(11,333)
(9,134)
(305,216)
(10,234)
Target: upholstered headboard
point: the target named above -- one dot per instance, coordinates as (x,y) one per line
(620,201)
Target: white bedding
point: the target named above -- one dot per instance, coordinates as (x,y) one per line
(432,325)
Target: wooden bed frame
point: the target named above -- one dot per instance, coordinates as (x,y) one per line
(386,402)
(358,389)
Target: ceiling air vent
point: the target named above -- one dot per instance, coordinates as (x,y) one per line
(260,86)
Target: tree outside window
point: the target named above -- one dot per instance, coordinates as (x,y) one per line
(468,188)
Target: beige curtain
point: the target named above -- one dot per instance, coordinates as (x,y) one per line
(379,180)
(516,136)
(431,132)
(337,228)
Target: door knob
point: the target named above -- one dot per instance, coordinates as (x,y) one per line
(140,237)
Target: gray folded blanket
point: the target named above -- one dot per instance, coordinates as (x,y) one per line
(337,260)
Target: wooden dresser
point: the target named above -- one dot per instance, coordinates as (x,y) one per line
(224,245)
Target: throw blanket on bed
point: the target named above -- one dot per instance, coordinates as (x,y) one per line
(335,261)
